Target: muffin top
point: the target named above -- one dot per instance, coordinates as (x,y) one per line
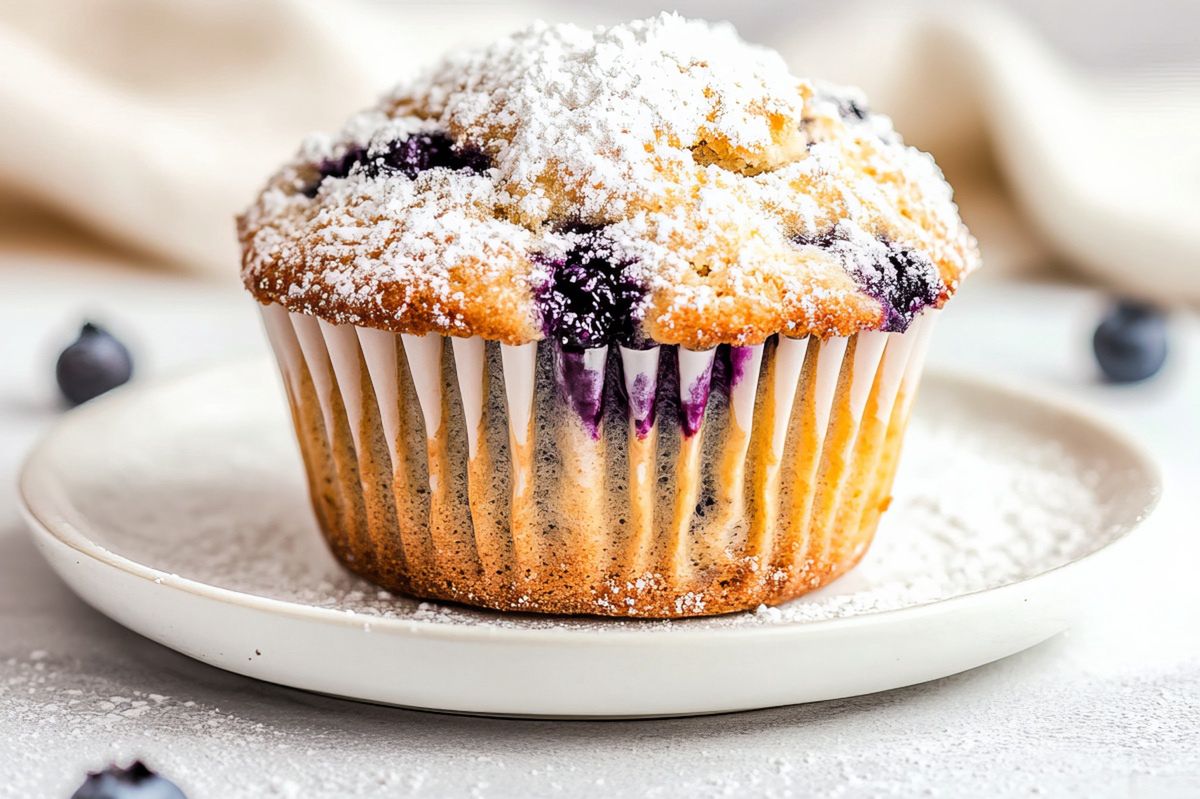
(659,181)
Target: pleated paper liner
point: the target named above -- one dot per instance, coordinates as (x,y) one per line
(655,483)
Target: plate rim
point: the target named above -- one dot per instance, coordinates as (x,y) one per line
(62,531)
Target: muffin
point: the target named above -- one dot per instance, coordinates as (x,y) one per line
(621,322)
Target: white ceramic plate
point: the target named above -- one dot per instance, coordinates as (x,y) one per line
(178,509)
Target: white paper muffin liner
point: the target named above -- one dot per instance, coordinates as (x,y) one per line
(484,473)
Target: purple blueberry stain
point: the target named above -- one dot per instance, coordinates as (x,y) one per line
(424,151)
(338,167)
(729,367)
(739,357)
(582,385)
(589,300)
(639,391)
(641,404)
(418,153)
(693,399)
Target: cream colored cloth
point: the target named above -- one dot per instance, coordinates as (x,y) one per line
(153,123)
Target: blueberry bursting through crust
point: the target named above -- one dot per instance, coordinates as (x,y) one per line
(591,298)
(902,280)
(410,157)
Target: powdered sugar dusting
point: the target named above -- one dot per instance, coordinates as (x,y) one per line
(701,157)
(561,106)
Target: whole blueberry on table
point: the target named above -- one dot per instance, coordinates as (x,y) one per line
(95,363)
(135,782)
(1131,341)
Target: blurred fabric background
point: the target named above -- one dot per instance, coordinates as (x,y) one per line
(132,132)
(1071,130)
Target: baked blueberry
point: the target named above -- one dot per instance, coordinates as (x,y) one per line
(849,108)
(410,157)
(591,297)
(824,239)
(335,168)
(1131,341)
(423,151)
(850,105)
(904,281)
(95,363)
(135,782)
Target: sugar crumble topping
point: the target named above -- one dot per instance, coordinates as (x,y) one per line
(705,165)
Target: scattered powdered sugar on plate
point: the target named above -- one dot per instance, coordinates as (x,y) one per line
(62,713)
(991,491)
(981,501)
(972,512)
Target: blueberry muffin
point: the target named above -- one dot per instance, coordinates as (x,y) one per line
(622,322)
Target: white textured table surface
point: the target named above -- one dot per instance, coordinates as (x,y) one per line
(1111,709)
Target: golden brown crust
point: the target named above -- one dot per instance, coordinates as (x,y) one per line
(484,291)
(710,176)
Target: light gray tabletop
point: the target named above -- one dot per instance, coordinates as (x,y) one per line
(1111,709)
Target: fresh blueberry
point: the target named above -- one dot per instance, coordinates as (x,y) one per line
(135,782)
(1131,341)
(94,364)
(410,157)
(591,297)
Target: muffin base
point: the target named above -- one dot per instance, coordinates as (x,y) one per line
(493,475)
